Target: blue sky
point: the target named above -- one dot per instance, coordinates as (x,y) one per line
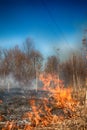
(50,23)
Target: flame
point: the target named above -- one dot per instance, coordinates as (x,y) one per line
(41,111)
(9,126)
(1,118)
(50,79)
(62,96)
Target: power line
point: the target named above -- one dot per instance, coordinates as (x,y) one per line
(54,21)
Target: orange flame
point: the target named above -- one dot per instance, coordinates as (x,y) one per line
(41,113)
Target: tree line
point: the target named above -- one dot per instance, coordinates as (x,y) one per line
(26,62)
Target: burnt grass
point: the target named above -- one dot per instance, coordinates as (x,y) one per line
(16,102)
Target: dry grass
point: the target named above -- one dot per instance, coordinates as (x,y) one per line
(78,120)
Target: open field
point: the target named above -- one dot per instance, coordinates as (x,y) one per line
(14,105)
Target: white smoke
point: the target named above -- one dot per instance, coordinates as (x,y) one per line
(8,82)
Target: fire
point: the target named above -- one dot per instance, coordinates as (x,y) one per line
(50,80)
(9,126)
(62,96)
(41,112)
(34,113)
(1,118)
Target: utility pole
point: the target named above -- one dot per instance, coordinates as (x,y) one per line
(35,68)
(57,51)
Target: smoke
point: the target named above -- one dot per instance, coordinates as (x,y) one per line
(9,83)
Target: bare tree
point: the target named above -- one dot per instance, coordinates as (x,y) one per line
(73,71)
(28,46)
(51,65)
